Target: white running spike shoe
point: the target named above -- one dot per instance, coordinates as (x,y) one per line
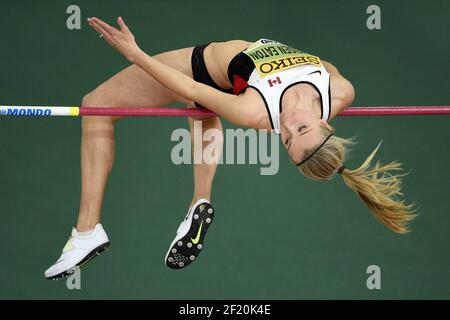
(78,251)
(191,233)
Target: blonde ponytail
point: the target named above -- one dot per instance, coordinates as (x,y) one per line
(379,189)
(376,186)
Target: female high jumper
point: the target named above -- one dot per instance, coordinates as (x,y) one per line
(262,85)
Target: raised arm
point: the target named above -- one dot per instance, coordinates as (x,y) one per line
(227,105)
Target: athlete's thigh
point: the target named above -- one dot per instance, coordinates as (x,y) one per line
(133,87)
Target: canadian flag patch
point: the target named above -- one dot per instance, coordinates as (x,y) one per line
(274,81)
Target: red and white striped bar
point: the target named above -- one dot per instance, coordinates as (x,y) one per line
(197,112)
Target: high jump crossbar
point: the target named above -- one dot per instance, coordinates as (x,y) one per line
(75,111)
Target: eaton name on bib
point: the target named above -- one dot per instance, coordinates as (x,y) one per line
(271,56)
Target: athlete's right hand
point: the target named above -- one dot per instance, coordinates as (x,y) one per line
(122,40)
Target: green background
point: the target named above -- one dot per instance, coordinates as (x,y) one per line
(274,237)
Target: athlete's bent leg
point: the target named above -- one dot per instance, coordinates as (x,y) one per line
(204,172)
(190,237)
(97,156)
(131,87)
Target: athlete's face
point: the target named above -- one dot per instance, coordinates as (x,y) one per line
(300,130)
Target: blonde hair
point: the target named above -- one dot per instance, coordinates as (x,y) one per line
(375,185)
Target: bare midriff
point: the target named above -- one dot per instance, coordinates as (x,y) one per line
(218,56)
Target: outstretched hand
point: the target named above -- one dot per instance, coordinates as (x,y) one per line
(122,40)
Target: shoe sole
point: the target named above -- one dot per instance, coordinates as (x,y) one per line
(94,253)
(183,251)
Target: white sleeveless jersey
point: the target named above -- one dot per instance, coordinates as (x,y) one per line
(277,68)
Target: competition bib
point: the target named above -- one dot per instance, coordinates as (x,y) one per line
(271,57)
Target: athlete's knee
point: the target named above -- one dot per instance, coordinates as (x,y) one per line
(88,100)
(93,99)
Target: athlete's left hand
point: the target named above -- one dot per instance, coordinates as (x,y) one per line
(122,40)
